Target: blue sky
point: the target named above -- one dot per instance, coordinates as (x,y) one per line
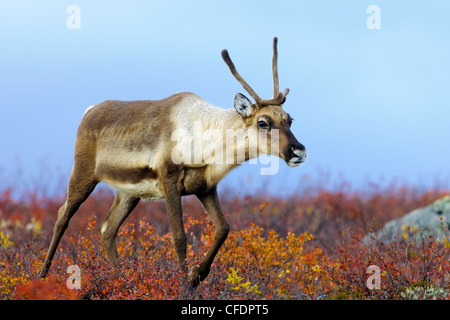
(368,104)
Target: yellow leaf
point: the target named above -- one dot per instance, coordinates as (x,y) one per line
(316,268)
(446,243)
(233,277)
(404,235)
(4,240)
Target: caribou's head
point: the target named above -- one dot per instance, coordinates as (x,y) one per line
(267,117)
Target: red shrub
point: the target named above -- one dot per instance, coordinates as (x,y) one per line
(306,246)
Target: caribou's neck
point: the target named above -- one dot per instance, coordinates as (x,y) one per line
(228,127)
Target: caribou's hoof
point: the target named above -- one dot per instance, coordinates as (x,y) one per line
(197,275)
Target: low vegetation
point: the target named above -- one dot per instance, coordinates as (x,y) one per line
(306,246)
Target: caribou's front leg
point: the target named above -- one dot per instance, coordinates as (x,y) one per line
(210,201)
(175,216)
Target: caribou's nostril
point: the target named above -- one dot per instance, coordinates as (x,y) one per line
(299,152)
(296,154)
(299,156)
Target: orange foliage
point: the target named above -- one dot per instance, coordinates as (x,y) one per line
(302,247)
(48,289)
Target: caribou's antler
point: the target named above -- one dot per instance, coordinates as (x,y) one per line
(278,97)
(276,90)
(227,59)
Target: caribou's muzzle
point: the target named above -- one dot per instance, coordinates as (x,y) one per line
(295,155)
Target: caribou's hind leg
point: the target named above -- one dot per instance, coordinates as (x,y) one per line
(81,184)
(121,208)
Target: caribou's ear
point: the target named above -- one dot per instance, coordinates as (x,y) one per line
(283,95)
(243,106)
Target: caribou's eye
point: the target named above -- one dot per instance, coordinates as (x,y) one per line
(263,125)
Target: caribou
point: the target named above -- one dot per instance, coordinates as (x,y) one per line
(128,145)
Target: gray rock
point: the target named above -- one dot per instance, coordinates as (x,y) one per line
(433,219)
